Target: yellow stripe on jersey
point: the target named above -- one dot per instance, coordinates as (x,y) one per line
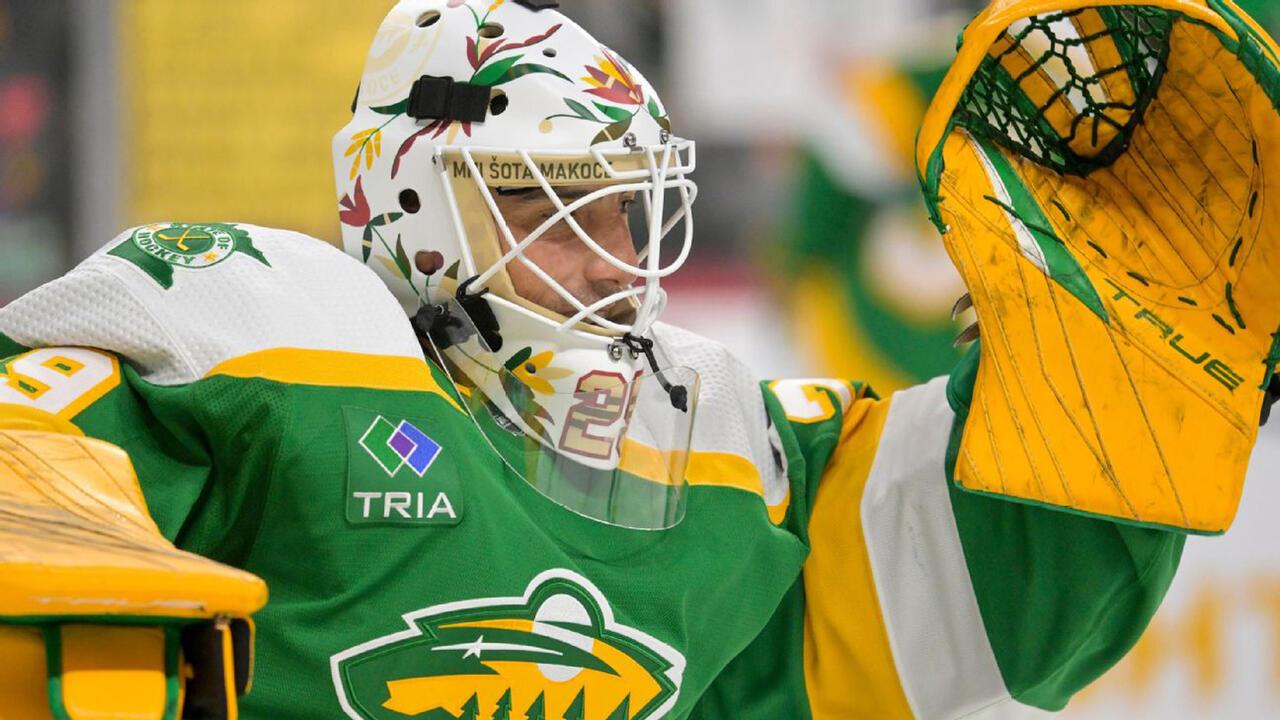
(848,663)
(709,469)
(381,372)
(335,368)
(724,470)
(735,471)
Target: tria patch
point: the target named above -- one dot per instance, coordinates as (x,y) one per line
(557,651)
(397,446)
(387,479)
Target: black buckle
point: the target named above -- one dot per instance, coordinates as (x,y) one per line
(536,5)
(441,98)
(437,324)
(207,689)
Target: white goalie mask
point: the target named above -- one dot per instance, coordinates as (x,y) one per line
(463,109)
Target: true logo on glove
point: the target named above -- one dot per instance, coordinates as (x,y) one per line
(1215,368)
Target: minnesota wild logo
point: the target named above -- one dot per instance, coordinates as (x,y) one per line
(157,249)
(556,652)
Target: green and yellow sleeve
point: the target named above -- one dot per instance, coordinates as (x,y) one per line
(922,600)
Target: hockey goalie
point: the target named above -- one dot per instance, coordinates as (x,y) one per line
(483,481)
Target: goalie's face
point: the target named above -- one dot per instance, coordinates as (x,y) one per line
(562,255)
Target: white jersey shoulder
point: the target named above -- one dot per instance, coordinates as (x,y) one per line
(177,300)
(731,415)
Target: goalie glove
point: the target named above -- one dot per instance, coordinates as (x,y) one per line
(100,616)
(1101,173)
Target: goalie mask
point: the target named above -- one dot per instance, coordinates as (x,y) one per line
(1101,172)
(488,135)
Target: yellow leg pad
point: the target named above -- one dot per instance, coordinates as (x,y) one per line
(104,672)
(23,693)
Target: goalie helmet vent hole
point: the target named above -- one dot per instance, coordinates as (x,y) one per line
(550,52)
(491,30)
(409,201)
(429,18)
(498,103)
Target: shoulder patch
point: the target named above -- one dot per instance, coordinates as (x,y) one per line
(172,301)
(159,248)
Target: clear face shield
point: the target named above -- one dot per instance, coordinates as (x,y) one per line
(614,447)
(567,251)
(514,208)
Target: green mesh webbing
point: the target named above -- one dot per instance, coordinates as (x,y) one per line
(997,106)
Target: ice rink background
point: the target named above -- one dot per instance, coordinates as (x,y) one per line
(119,112)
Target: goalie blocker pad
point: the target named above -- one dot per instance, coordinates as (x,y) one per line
(1101,172)
(100,616)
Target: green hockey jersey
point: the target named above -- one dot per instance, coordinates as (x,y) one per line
(282,419)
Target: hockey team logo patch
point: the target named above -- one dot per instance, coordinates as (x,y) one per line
(158,249)
(397,474)
(557,651)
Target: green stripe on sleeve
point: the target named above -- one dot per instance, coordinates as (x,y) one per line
(1063,597)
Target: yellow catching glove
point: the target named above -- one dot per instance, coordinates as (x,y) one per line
(100,616)
(1102,173)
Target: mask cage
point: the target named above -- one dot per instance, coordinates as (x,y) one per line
(654,173)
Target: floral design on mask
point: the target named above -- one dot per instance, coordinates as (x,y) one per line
(355,212)
(527,376)
(365,145)
(492,65)
(536,372)
(613,80)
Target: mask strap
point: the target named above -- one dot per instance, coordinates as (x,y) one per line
(644,346)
